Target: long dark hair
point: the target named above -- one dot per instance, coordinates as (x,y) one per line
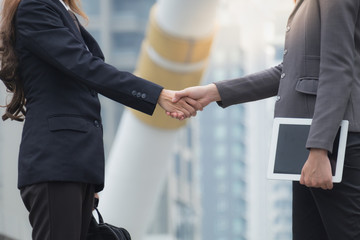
(15,110)
(8,69)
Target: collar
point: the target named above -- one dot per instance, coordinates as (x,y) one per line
(66,6)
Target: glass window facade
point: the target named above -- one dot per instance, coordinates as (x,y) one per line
(97,35)
(125,42)
(223,156)
(238,226)
(91,7)
(177,160)
(220,132)
(189,171)
(136,7)
(220,171)
(220,152)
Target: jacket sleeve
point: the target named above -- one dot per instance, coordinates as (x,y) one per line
(42,32)
(252,87)
(337,58)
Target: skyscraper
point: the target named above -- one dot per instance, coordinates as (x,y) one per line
(235,141)
(223,149)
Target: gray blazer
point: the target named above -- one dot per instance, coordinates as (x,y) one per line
(320,74)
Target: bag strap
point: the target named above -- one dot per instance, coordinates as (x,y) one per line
(101,221)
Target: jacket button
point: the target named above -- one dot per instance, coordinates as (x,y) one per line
(278,98)
(288,28)
(283,75)
(96,123)
(285,52)
(143,96)
(134,93)
(138,94)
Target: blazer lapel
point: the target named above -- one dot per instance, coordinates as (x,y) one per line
(70,22)
(83,35)
(91,43)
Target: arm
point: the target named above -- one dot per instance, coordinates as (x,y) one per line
(249,88)
(228,92)
(42,32)
(337,58)
(338,22)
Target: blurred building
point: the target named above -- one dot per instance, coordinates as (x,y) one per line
(178,213)
(13,215)
(222,144)
(263,30)
(238,201)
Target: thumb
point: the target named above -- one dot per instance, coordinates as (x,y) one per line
(302,177)
(178,95)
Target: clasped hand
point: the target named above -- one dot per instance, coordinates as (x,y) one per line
(185,103)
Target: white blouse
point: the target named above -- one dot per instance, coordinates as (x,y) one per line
(66,6)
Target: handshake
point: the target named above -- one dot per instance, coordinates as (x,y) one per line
(185,103)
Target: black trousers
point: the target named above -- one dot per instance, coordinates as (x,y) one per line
(331,214)
(59,210)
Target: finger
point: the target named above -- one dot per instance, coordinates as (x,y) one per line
(180,116)
(324,187)
(302,178)
(195,104)
(186,109)
(190,109)
(177,115)
(170,114)
(329,185)
(178,95)
(185,113)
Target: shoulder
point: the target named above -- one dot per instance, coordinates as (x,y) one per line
(37,10)
(349,5)
(33,5)
(37,2)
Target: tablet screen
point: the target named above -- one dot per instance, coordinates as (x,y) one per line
(291,153)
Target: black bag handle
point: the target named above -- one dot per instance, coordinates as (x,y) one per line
(102,229)
(101,221)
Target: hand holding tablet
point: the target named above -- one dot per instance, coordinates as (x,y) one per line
(288,153)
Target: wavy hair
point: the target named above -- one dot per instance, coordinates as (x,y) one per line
(15,110)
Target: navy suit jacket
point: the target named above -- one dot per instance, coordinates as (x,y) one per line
(62,71)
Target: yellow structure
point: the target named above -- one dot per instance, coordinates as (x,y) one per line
(187,54)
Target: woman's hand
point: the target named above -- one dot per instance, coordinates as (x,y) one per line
(317,170)
(184,108)
(203,95)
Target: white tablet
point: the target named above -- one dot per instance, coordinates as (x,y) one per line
(288,153)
